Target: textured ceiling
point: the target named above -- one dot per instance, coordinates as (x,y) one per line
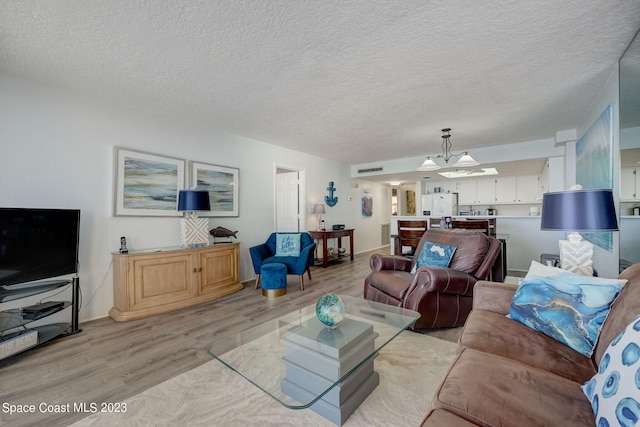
(355,81)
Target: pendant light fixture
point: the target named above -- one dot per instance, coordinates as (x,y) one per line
(465,160)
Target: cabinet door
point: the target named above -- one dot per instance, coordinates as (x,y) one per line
(161,280)
(628,189)
(543,183)
(506,189)
(527,188)
(486,191)
(449,186)
(466,191)
(218,269)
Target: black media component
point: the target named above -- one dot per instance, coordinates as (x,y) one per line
(37,244)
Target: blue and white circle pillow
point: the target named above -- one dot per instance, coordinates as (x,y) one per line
(614,392)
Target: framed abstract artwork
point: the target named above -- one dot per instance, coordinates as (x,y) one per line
(594,166)
(367,204)
(222,183)
(146,184)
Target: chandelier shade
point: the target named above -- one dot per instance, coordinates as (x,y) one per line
(465,160)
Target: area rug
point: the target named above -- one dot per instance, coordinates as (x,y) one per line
(411,368)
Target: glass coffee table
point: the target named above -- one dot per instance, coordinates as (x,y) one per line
(302,364)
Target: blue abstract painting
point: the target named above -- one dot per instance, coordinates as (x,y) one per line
(150,184)
(146,184)
(594,166)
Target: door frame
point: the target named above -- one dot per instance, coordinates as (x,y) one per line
(302,194)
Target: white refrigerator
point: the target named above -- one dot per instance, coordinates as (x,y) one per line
(440,204)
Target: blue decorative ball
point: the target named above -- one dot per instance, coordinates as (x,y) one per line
(330,310)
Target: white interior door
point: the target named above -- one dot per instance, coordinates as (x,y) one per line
(287,201)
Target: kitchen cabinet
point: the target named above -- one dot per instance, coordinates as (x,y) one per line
(506,190)
(629,184)
(485,191)
(467,191)
(528,188)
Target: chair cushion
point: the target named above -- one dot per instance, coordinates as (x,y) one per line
(287,244)
(471,247)
(567,307)
(614,392)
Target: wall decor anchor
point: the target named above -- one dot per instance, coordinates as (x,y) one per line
(330,200)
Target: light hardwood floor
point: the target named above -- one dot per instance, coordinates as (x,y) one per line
(110,361)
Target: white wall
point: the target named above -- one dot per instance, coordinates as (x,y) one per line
(57,152)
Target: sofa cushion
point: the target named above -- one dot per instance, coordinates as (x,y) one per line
(435,255)
(494,333)
(492,390)
(287,244)
(566,307)
(614,392)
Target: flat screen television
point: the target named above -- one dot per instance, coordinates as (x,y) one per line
(37,244)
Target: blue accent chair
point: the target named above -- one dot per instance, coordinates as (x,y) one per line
(265,253)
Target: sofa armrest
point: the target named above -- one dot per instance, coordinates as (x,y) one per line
(493,296)
(379,262)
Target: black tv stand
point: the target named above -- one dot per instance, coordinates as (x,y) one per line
(16,332)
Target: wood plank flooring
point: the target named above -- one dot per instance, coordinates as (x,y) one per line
(110,361)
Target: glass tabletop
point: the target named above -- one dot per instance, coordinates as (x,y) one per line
(269,354)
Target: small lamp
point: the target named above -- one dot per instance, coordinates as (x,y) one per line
(193,230)
(578,210)
(318,210)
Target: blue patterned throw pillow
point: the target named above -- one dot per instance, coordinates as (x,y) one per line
(288,244)
(566,307)
(435,255)
(614,392)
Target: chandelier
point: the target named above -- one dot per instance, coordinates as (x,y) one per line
(465,160)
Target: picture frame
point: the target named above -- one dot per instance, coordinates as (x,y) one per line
(594,166)
(367,204)
(223,185)
(147,184)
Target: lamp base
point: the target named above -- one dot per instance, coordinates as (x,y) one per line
(576,255)
(193,230)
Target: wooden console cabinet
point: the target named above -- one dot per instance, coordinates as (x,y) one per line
(152,282)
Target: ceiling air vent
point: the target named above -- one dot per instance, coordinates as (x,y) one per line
(378,169)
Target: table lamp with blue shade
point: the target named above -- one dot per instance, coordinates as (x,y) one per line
(578,210)
(193,230)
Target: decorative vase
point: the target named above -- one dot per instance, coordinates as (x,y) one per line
(330,310)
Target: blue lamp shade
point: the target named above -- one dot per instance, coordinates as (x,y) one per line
(193,200)
(579,210)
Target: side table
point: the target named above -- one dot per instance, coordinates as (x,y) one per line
(333,234)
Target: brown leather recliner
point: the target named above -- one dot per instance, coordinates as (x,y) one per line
(443,296)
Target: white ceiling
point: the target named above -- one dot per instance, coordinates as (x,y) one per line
(355,81)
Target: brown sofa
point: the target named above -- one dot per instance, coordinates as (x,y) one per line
(443,296)
(509,375)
